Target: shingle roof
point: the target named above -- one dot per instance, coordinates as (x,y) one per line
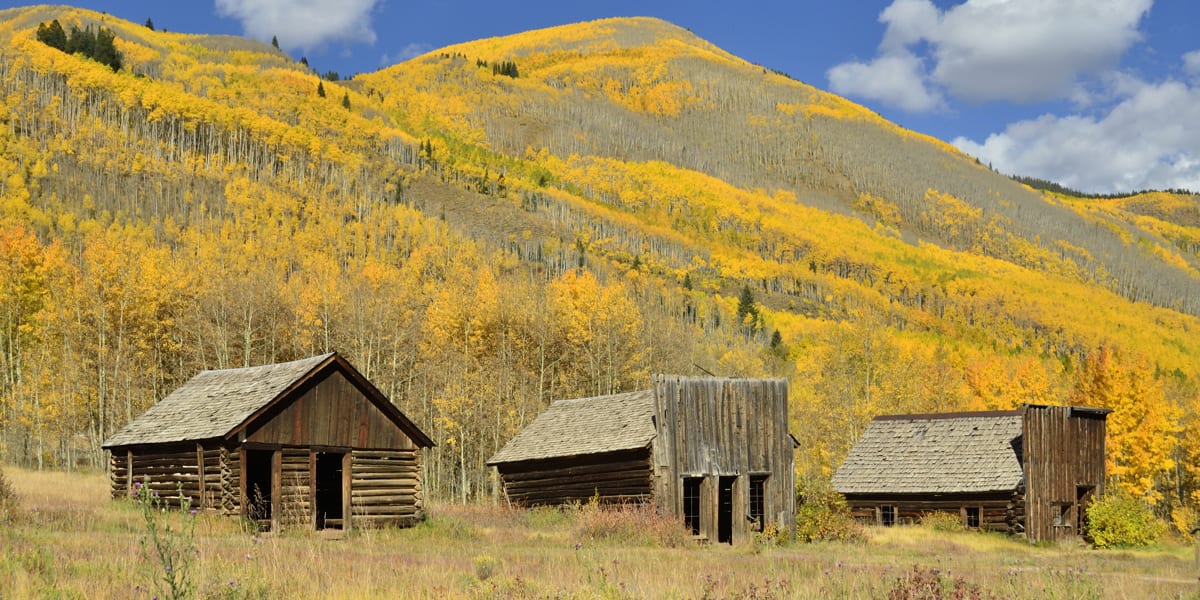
(213,403)
(977,452)
(584,426)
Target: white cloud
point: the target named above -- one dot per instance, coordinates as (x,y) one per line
(981,50)
(1151,139)
(303,24)
(1191,64)
(892,78)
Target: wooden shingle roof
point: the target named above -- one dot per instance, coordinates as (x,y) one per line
(583,426)
(922,454)
(214,403)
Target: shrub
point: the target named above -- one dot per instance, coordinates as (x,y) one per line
(8,498)
(823,515)
(942,521)
(633,524)
(1118,520)
(928,584)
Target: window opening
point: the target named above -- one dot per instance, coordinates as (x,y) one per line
(691,503)
(972,517)
(757,508)
(887,515)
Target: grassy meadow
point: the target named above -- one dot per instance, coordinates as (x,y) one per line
(65,539)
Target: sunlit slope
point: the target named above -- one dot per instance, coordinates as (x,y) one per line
(639,90)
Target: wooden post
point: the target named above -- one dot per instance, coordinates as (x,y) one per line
(202,493)
(347,479)
(243,495)
(312,486)
(128,473)
(276,487)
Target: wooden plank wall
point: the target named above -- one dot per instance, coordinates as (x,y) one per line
(385,487)
(1064,450)
(611,477)
(712,427)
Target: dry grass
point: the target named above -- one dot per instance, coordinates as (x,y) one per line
(69,540)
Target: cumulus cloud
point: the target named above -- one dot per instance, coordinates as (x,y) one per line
(981,50)
(895,79)
(303,24)
(1151,139)
(1191,64)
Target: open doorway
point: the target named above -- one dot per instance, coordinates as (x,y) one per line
(329,491)
(258,486)
(725,509)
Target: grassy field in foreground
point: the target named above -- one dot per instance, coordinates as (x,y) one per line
(67,539)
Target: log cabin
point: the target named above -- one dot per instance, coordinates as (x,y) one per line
(1030,471)
(307,443)
(714,452)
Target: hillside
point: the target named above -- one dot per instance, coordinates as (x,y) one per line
(480,244)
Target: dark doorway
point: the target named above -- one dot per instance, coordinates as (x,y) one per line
(329,491)
(258,486)
(1083,499)
(725,509)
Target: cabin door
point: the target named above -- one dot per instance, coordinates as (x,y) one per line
(329,490)
(725,510)
(258,485)
(1083,496)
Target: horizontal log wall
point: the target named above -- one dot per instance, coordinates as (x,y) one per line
(295,499)
(999,513)
(230,475)
(613,477)
(385,487)
(167,471)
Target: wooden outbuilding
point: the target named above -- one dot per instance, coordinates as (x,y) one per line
(1030,471)
(308,443)
(715,452)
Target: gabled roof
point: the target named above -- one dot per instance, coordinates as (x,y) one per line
(913,454)
(583,426)
(219,403)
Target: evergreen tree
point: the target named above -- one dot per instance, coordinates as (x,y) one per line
(747,310)
(105,50)
(321,89)
(52,35)
(346,100)
(275,42)
(149,24)
(331,76)
(304,60)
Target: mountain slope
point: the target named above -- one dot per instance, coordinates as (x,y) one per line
(634,200)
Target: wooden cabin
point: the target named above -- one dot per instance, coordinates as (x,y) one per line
(304,443)
(1030,471)
(715,452)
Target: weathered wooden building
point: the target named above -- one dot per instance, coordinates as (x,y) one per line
(715,452)
(310,442)
(1029,471)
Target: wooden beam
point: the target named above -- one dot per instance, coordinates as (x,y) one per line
(347,481)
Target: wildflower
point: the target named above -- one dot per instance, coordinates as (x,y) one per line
(192,512)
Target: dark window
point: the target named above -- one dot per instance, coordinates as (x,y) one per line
(758,488)
(691,503)
(972,517)
(887,515)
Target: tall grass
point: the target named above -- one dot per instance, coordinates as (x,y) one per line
(68,539)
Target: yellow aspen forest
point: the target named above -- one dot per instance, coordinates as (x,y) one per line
(480,245)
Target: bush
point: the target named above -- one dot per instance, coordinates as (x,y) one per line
(8,498)
(1118,520)
(929,584)
(631,524)
(942,521)
(823,515)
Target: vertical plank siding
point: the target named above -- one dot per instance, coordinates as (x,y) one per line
(713,427)
(1064,453)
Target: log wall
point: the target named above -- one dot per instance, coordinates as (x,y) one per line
(294,502)
(167,471)
(612,477)
(999,512)
(385,487)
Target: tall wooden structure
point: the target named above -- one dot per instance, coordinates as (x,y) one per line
(309,442)
(715,452)
(1030,471)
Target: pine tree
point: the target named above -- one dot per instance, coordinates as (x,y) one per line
(52,35)
(747,310)
(149,24)
(275,42)
(346,100)
(304,60)
(320,89)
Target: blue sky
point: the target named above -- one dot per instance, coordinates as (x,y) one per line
(1100,95)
